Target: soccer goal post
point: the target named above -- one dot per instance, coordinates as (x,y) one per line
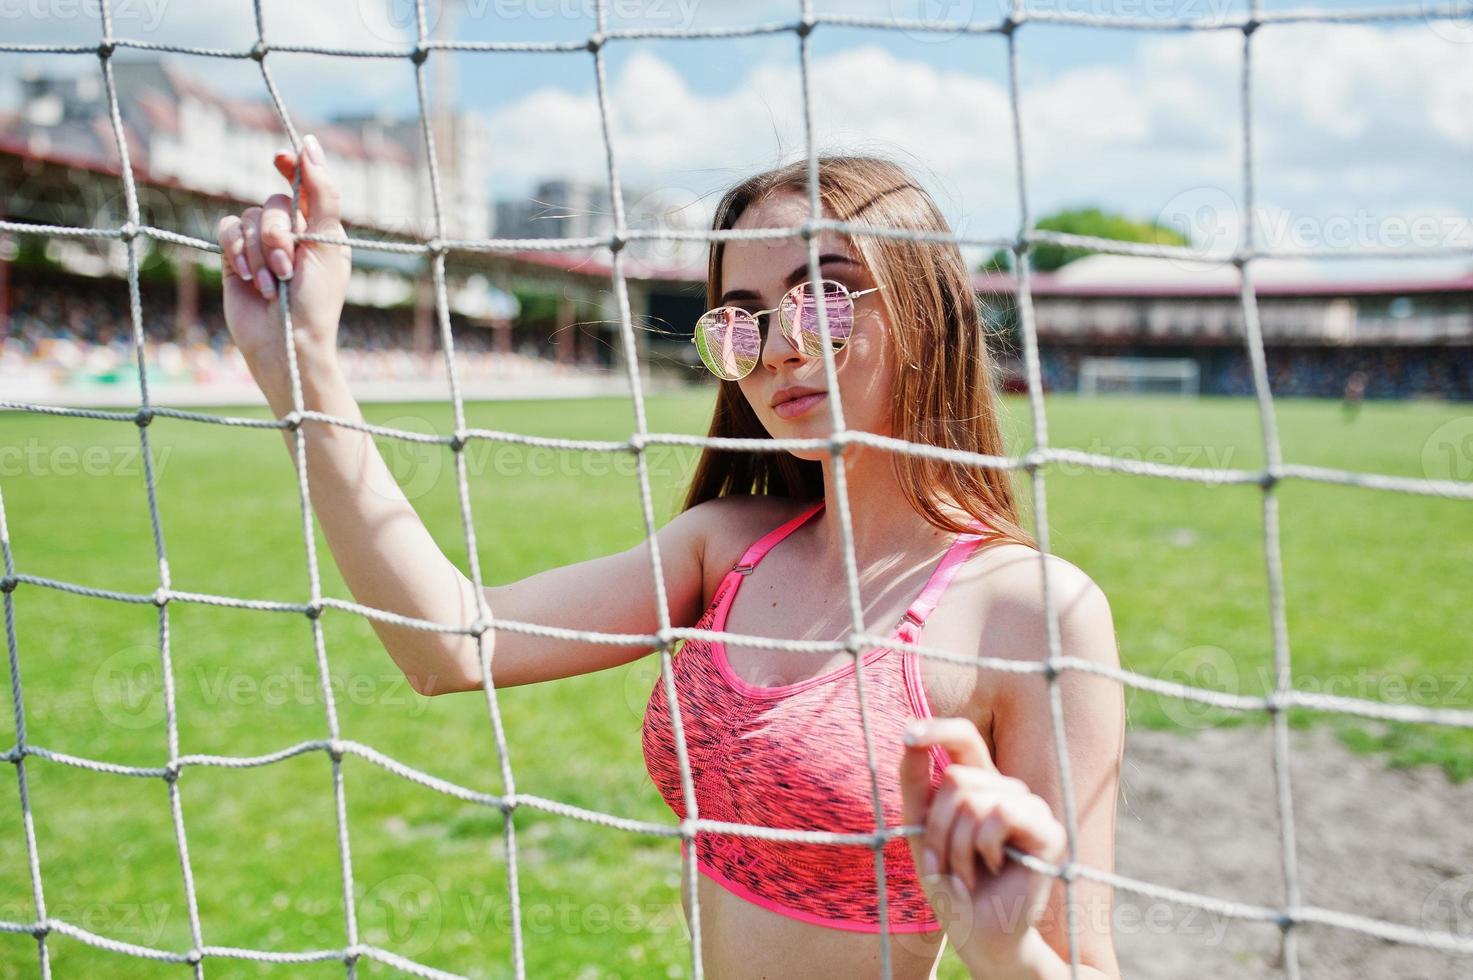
(1139,376)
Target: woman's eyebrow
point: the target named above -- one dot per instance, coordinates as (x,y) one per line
(791,280)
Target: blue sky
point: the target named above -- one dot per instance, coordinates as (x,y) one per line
(1364,137)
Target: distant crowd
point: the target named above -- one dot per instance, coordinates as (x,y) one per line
(72,334)
(75,330)
(1298,372)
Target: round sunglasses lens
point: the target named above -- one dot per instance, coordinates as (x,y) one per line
(729,342)
(799,314)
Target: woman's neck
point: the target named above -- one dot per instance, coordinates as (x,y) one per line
(885,523)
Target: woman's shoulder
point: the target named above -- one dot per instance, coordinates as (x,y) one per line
(1010,594)
(731,524)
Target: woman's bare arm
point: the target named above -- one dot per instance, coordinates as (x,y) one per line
(386,555)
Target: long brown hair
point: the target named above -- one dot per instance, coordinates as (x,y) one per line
(937,321)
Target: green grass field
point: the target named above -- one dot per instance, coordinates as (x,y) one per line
(1377,607)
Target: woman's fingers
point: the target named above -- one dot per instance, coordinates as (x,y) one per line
(936,843)
(961,849)
(277,242)
(250,229)
(977,811)
(321,201)
(232,248)
(958,736)
(1027,823)
(286,165)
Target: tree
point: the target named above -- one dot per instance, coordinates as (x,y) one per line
(1085,221)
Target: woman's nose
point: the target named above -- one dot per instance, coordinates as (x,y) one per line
(777,348)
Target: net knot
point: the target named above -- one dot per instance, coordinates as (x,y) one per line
(479,627)
(161,597)
(106,48)
(143,417)
(1270,478)
(458,442)
(436,247)
(805,27)
(420,55)
(8,584)
(618,242)
(258,50)
(194,956)
(1273,702)
(595,41)
(335,750)
(293,420)
(1049,670)
(352,954)
(1009,26)
(1250,25)
(172,771)
(41,929)
(314,609)
(509,804)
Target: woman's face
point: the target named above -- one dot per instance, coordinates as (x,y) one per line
(754,276)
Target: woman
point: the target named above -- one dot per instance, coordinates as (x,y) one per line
(774,737)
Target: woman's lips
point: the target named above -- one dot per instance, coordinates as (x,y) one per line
(797,406)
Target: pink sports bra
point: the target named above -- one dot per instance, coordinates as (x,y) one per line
(793,757)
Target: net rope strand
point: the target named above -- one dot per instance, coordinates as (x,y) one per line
(1273,563)
(841,485)
(484,617)
(166,672)
(1023,262)
(350,952)
(691,823)
(1277,703)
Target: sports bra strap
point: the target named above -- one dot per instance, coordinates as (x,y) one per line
(961,549)
(764,544)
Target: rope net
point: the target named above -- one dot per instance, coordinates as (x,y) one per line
(1035,463)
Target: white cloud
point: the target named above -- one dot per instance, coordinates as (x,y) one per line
(225,25)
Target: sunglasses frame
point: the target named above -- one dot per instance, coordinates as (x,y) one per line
(851,294)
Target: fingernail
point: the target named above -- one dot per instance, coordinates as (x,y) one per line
(242,268)
(912,734)
(314,150)
(266,284)
(930,864)
(281,263)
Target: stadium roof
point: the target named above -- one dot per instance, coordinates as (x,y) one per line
(1131,275)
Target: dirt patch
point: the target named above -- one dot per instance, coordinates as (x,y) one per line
(1199,812)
